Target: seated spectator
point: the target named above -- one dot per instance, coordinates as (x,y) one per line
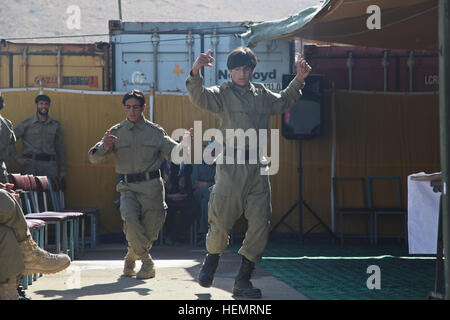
(202,179)
(182,209)
(19,254)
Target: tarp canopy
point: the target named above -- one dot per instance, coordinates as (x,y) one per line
(405,24)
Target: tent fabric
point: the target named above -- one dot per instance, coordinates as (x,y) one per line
(405,24)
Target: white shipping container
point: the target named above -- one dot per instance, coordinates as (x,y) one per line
(175,46)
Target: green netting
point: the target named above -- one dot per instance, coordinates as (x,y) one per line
(334,272)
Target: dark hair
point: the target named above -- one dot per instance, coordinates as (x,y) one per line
(241,57)
(137,94)
(42,97)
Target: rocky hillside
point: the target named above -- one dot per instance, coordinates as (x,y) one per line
(31,19)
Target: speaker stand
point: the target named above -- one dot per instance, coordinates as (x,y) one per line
(301,202)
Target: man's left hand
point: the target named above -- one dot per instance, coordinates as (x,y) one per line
(303,70)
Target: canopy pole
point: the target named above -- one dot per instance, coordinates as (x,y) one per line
(444,115)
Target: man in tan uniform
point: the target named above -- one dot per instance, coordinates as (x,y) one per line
(19,254)
(43,144)
(7,138)
(139,147)
(240,188)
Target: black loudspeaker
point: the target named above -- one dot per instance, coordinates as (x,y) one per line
(304,120)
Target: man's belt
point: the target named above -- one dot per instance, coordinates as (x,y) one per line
(40,156)
(138,177)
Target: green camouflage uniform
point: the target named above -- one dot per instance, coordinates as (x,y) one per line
(240,188)
(140,148)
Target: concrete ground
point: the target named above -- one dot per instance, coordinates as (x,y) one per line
(97,276)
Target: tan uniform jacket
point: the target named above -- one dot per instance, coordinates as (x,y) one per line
(7,137)
(41,137)
(140,147)
(242,108)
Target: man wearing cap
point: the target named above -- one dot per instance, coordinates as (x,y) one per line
(7,138)
(43,145)
(240,188)
(139,147)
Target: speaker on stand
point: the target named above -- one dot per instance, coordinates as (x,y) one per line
(304,121)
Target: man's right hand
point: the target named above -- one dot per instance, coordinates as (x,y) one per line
(203,60)
(108,140)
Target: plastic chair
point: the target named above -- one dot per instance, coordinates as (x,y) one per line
(57,189)
(63,221)
(76,217)
(393,208)
(348,202)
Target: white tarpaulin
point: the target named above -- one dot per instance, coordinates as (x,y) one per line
(423,216)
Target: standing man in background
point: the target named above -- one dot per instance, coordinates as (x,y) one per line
(43,145)
(7,139)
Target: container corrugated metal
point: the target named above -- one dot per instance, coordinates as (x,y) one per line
(68,66)
(374,69)
(176,45)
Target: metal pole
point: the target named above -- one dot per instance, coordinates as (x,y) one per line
(120,9)
(300,190)
(444,115)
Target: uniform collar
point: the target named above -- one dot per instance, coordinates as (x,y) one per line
(242,91)
(139,125)
(36,119)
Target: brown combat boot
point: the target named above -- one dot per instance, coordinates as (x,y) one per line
(37,260)
(147,269)
(8,290)
(130,264)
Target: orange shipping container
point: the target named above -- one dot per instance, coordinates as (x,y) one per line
(68,66)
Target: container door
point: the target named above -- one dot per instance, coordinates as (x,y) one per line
(134,62)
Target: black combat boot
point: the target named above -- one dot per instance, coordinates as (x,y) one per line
(206,275)
(242,285)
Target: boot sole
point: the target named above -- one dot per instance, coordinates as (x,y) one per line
(242,293)
(46,271)
(205,284)
(128,274)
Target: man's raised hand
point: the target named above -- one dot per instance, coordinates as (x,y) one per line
(203,60)
(303,69)
(108,140)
